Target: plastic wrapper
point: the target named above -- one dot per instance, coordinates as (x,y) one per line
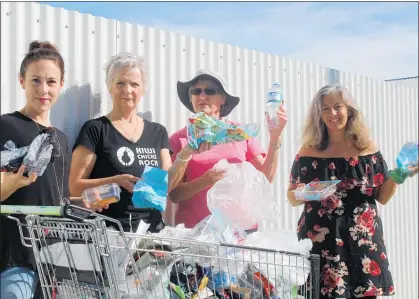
(34,157)
(293,270)
(408,155)
(407,162)
(203,128)
(316,191)
(39,155)
(12,157)
(187,276)
(151,190)
(243,196)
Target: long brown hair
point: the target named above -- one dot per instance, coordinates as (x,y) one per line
(315,132)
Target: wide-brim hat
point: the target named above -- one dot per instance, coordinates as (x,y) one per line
(183,91)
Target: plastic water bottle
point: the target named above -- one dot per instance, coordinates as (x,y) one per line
(406,159)
(273,102)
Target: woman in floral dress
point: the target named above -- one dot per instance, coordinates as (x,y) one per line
(345,228)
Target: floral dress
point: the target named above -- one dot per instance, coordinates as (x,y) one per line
(345,228)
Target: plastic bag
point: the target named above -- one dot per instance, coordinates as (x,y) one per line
(151,190)
(39,155)
(289,271)
(202,128)
(244,196)
(12,157)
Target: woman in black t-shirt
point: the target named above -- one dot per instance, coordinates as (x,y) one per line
(42,77)
(115,148)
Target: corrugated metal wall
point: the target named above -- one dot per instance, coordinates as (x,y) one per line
(408,82)
(86,42)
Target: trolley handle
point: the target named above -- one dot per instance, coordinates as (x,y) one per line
(69,211)
(75,212)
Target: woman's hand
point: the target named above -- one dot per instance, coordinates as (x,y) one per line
(10,181)
(205,146)
(126,181)
(276,132)
(186,152)
(299,197)
(213,175)
(94,204)
(413,170)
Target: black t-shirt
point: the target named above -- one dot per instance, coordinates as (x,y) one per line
(116,155)
(45,191)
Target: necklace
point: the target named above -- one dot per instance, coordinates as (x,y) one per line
(63,200)
(131,136)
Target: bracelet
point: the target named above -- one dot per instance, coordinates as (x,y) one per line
(277,146)
(183,160)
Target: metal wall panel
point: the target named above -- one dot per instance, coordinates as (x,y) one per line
(408,82)
(86,42)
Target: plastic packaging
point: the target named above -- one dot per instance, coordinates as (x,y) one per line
(12,157)
(316,191)
(408,155)
(108,194)
(203,128)
(294,268)
(151,190)
(406,160)
(273,102)
(243,196)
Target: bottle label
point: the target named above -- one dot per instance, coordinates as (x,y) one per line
(275,97)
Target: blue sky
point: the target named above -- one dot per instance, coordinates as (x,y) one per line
(375,39)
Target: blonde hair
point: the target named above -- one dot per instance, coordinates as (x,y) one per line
(315,132)
(124,60)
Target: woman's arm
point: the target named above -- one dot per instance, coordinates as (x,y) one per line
(294,202)
(186,190)
(176,170)
(10,182)
(386,191)
(82,163)
(268,165)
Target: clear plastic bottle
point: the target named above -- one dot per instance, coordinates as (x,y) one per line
(273,102)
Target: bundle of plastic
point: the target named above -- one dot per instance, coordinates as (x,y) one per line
(34,157)
(12,157)
(243,196)
(203,128)
(407,162)
(151,190)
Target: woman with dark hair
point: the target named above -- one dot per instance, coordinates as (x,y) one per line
(42,78)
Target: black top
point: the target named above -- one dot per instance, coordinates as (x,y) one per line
(345,228)
(45,191)
(116,155)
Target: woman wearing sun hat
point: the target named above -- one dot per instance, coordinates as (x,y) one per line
(207,92)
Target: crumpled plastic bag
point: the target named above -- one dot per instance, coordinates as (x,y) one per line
(151,190)
(203,128)
(244,196)
(293,269)
(34,157)
(12,157)
(39,155)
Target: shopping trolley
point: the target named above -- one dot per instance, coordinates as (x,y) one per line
(78,256)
